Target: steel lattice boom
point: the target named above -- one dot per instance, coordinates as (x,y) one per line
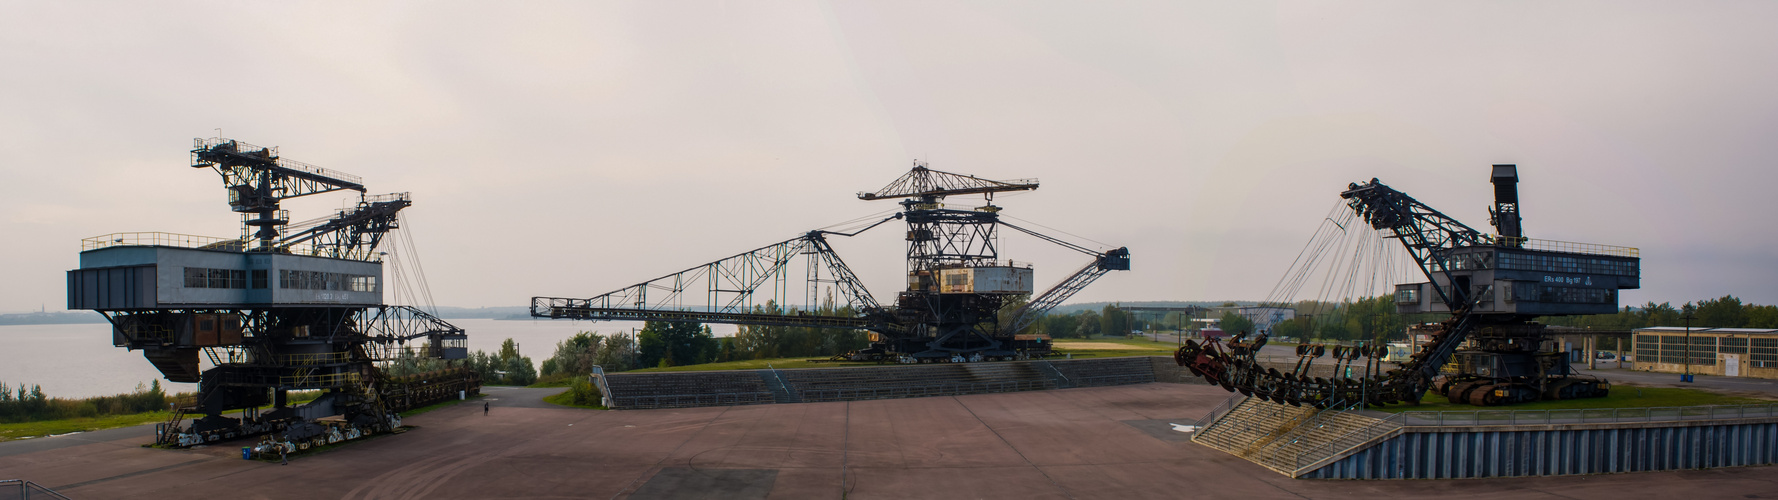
(1490,285)
(957,282)
(922,182)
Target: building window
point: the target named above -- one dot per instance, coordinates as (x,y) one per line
(198,277)
(317,280)
(1407,295)
(259,279)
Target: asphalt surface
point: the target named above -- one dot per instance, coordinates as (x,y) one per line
(1073,443)
(1753,386)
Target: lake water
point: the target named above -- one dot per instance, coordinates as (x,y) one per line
(74,361)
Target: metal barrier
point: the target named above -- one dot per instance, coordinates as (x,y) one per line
(157,239)
(1104,380)
(19,489)
(1589,416)
(691,400)
(1224,408)
(1348,441)
(1306,423)
(916,391)
(1565,246)
(1409,419)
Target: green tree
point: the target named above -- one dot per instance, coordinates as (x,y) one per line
(508,367)
(676,344)
(618,355)
(1726,312)
(1089,325)
(1762,316)
(1061,326)
(1113,320)
(1235,324)
(1663,314)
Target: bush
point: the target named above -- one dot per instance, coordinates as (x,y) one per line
(32,405)
(584,393)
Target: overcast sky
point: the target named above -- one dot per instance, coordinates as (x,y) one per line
(574,148)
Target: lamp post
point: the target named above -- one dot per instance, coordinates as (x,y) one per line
(1688,317)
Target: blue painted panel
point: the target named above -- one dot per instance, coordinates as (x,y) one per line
(1445,455)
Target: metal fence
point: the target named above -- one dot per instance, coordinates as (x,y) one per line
(1589,416)
(1126,379)
(916,391)
(691,400)
(19,489)
(1221,409)
(1349,441)
(1410,419)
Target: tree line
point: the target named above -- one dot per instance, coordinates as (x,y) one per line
(1725,312)
(33,405)
(505,367)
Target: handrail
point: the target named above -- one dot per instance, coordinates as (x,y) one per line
(697,399)
(178,240)
(1583,416)
(156,238)
(1294,425)
(1221,409)
(599,381)
(26,489)
(1117,379)
(840,394)
(1564,246)
(1348,440)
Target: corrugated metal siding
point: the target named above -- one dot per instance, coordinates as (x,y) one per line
(1444,455)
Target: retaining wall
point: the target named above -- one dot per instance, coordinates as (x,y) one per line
(1554,450)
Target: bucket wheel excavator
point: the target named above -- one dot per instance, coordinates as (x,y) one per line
(951,309)
(285,307)
(1491,285)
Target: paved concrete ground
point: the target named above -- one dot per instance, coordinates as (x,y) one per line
(1073,443)
(1758,387)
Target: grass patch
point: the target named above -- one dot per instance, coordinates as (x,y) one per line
(556,380)
(24,430)
(431,407)
(1622,396)
(566,398)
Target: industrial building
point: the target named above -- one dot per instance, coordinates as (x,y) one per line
(1729,352)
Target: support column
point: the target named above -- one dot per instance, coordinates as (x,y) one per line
(1592,358)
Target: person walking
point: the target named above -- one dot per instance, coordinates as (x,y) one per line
(284,454)
(484,408)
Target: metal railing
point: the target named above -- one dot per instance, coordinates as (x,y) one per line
(1409,419)
(1219,410)
(317,358)
(1314,421)
(1565,246)
(176,240)
(1588,416)
(1348,441)
(318,381)
(1104,380)
(916,391)
(272,154)
(690,400)
(159,239)
(19,489)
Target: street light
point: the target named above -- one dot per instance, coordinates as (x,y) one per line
(1688,317)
